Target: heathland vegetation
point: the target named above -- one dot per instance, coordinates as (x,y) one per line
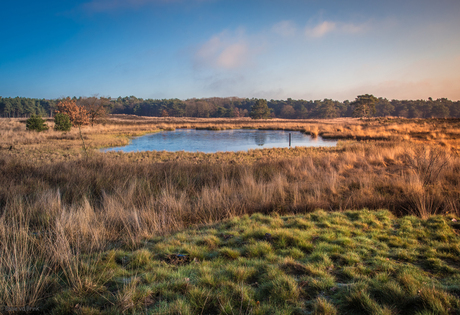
(233,232)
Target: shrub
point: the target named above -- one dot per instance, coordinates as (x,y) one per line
(36,123)
(62,122)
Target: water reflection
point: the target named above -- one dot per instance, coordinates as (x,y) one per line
(260,138)
(210,141)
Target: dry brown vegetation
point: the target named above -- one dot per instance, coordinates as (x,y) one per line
(57,204)
(52,146)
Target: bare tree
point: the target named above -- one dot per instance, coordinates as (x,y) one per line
(95,107)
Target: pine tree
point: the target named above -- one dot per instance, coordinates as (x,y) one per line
(260,110)
(62,122)
(364,105)
(36,123)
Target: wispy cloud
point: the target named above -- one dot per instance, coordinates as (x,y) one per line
(327,27)
(227,62)
(225,51)
(321,29)
(229,84)
(351,28)
(233,56)
(285,28)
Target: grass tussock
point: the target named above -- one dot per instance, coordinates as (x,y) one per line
(363,262)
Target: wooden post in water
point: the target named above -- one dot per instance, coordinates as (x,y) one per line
(289,139)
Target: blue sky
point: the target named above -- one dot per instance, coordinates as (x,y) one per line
(303,49)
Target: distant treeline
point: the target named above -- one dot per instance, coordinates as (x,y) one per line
(24,107)
(239,107)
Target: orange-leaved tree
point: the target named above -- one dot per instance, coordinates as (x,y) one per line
(78,115)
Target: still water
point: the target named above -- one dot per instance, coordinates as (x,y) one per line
(210,141)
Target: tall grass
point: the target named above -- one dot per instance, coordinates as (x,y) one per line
(101,198)
(56,217)
(24,261)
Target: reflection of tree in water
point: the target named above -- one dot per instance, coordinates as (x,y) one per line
(260,138)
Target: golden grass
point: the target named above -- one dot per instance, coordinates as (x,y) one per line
(52,146)
(55,200)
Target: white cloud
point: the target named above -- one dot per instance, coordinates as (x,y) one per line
(228,61)
(233,56)
(210,48)
(327,27)
(321,29)
(285,28)
(225,51)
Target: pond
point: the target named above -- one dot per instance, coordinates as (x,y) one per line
(211,141)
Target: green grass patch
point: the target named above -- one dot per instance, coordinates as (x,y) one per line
(354,262)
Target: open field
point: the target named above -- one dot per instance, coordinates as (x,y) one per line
(90,233)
